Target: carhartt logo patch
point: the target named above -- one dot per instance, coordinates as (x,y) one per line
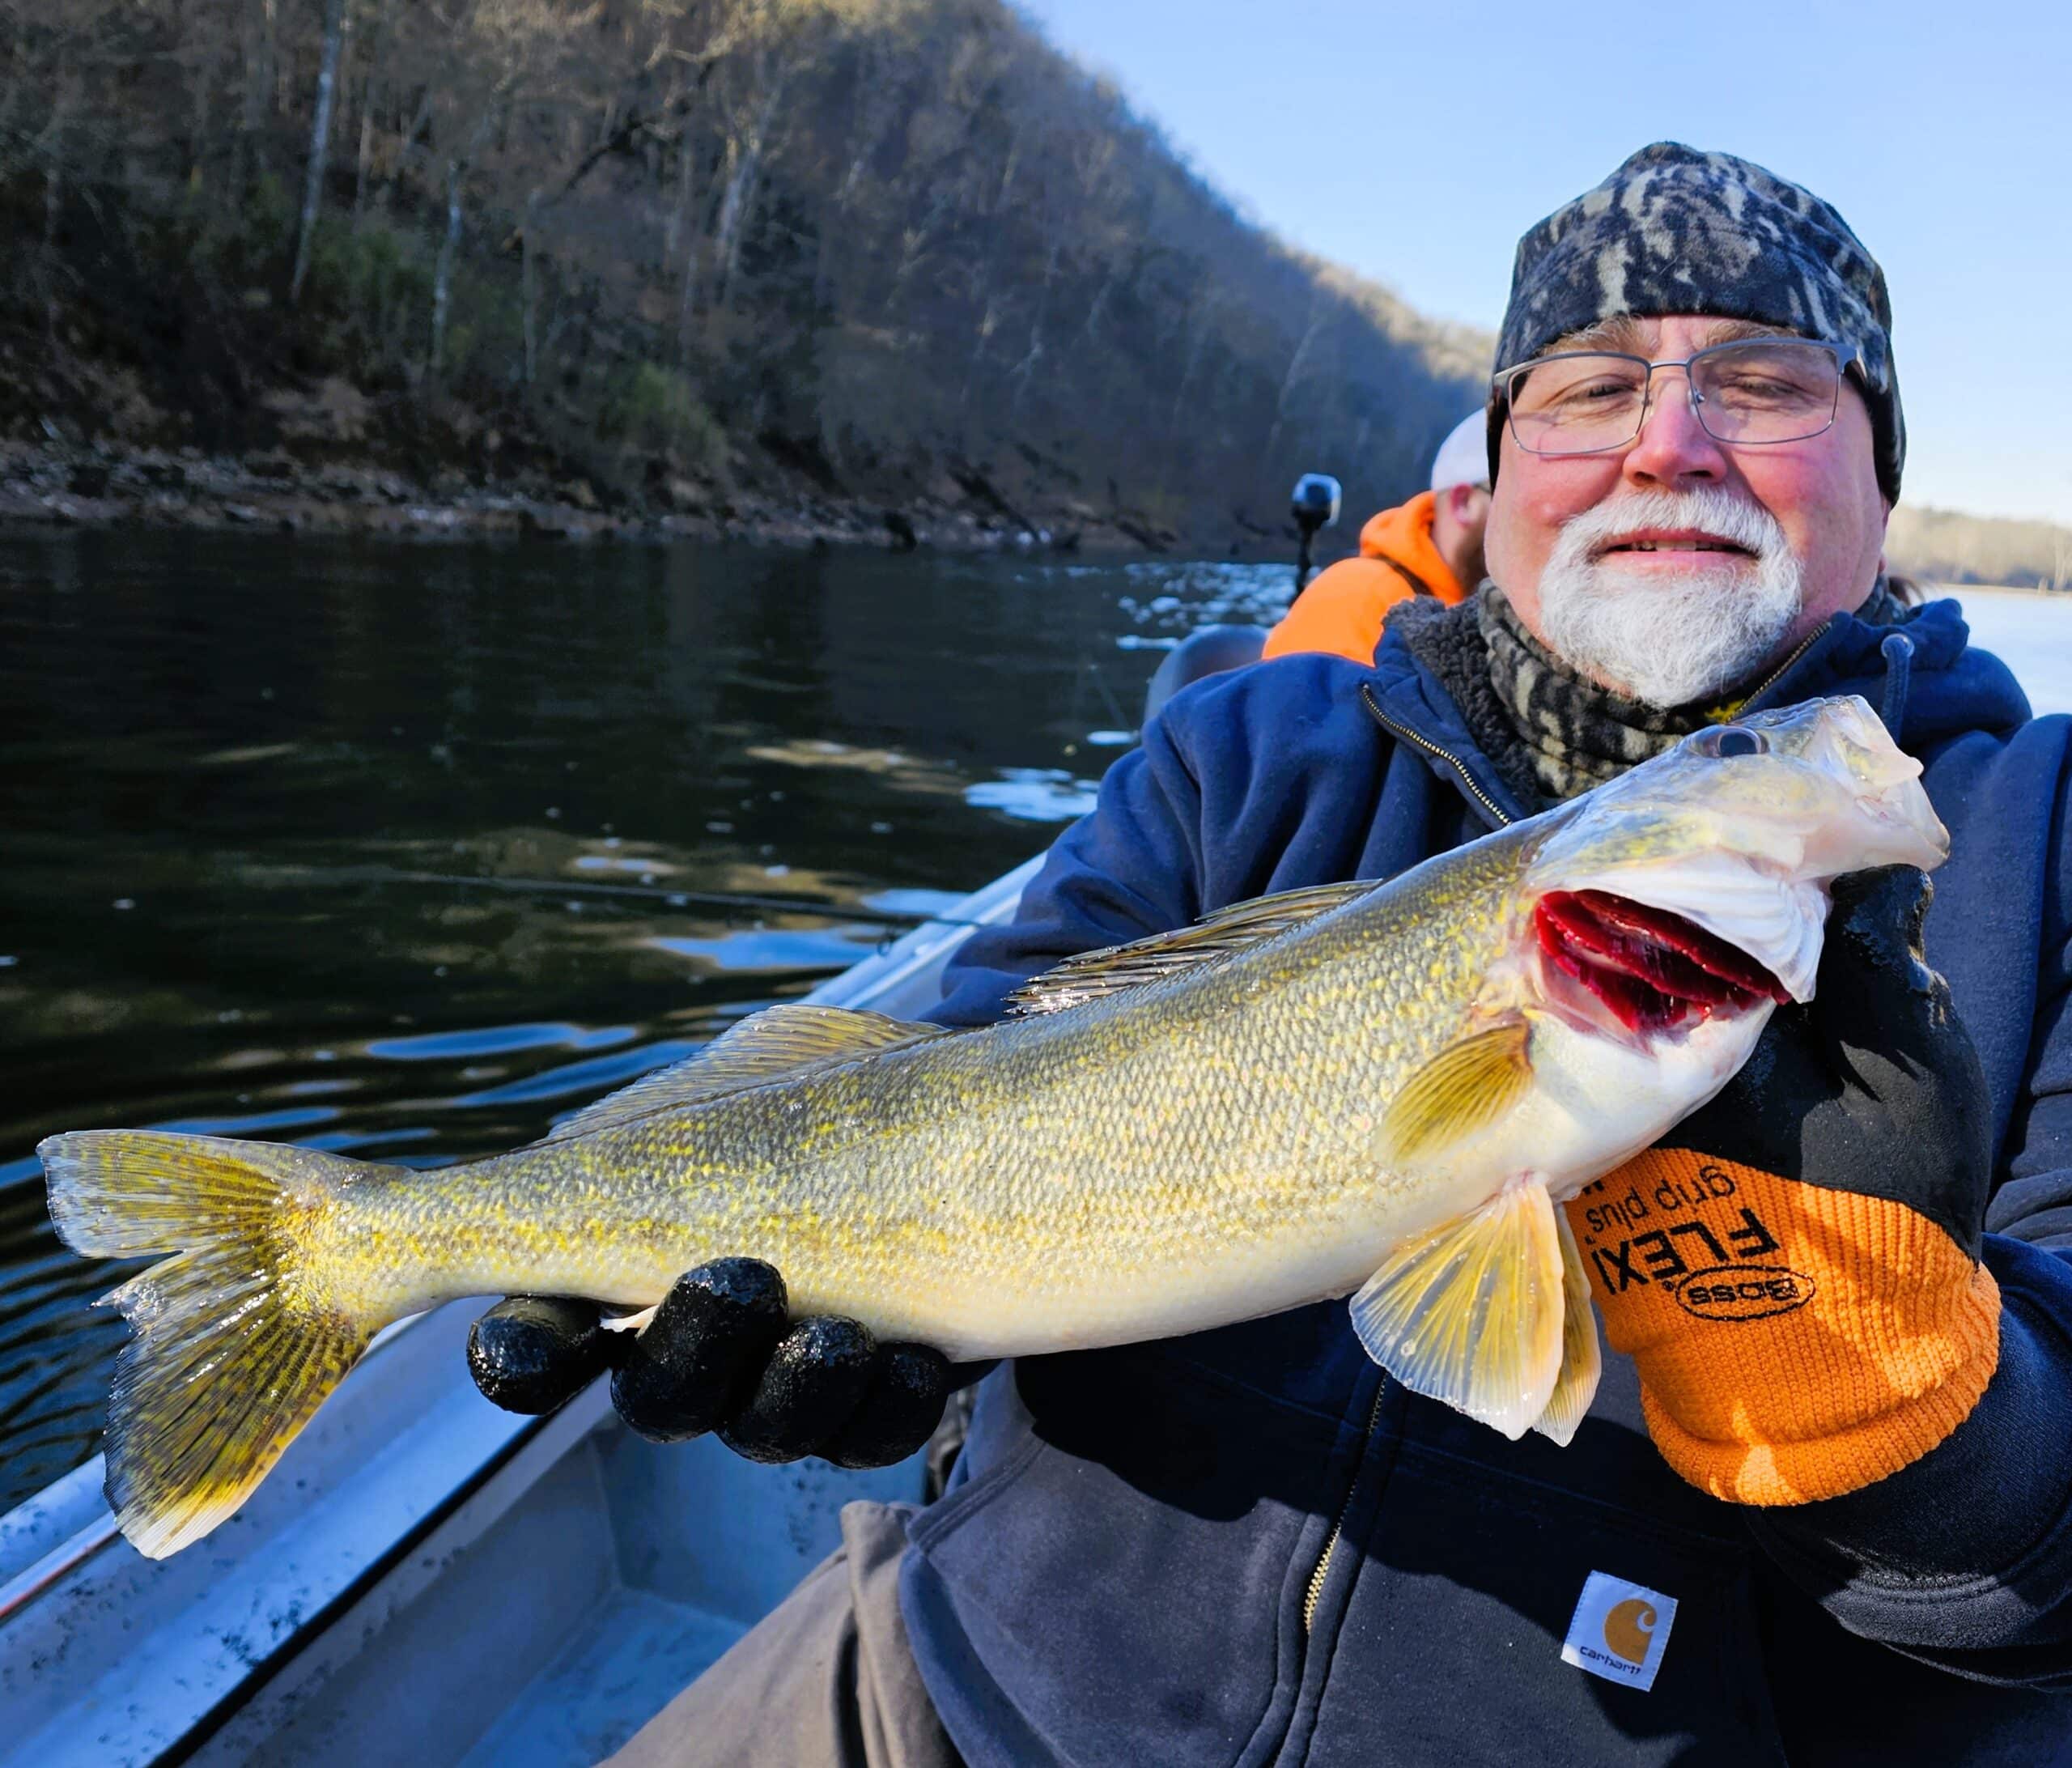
(1620,1631)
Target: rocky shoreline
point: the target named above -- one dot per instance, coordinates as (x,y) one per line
(100,484)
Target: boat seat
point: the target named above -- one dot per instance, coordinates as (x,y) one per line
(1208,652)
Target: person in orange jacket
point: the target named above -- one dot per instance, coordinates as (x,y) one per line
(1430,546)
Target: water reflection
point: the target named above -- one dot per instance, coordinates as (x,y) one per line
(496,1040)
(367,812)
(1035,794)
(826,950)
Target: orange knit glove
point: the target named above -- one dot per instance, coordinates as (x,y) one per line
(1795,1269)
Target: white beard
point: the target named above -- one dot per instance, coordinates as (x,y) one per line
(1669,640)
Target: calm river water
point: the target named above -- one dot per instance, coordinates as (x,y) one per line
(408,852)
(321,843)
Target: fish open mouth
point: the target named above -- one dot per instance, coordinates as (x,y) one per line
(1654,970)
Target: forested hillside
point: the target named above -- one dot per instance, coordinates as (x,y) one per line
(670,255)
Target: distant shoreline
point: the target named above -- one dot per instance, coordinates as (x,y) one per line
(107,486)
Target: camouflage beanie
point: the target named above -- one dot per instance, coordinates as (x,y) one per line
(1675,231)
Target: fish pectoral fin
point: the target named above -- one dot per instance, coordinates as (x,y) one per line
(766,1045)
(1091,974)
(1466,1087)
(1581,1361)
(1471,1313)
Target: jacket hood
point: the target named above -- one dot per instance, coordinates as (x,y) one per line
(1923,675)
(1402,536)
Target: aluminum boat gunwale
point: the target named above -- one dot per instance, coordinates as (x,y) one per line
(519,1591)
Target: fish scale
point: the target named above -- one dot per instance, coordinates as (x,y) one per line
(1013,1184)
(1383,1088)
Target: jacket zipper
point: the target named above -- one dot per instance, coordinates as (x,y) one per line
(1777,674)
(1404,733)
(1316,1589)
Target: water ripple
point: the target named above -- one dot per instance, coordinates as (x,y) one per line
(497,1040)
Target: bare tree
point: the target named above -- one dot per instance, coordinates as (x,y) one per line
(335,26)
(442,280)
(1321,311)
(744,170)
(259,58)
(372,92)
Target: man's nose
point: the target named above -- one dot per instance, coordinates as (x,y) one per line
(1673,447)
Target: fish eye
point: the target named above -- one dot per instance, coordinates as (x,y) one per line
(1730,741)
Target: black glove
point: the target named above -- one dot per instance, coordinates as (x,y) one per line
(1874,1086)
(721,1354)
(1795,1269)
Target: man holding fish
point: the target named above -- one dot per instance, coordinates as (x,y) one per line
(1818,1505)
(1145,1556)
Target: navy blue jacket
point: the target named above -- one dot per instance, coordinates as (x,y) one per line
(1132,1567)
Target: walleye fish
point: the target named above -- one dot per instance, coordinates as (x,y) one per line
(1379,1088)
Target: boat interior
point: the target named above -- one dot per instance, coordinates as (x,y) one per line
(423,1577)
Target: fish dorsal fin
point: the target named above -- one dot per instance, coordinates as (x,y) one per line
(766,1046)
(1581,1361)
(1466,1087)
(1471,1313)
(1092,974)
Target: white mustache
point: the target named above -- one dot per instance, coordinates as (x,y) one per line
(1718,514)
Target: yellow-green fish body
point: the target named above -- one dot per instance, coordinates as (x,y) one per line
(1191,1151)
(1383,1085)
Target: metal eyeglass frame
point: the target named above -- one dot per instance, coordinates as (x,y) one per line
(1502,382)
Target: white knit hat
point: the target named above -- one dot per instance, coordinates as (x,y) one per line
(1463,457)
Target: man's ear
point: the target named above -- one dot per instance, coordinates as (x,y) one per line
(1467,504)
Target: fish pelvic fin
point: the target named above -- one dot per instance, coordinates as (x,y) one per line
(1471,1313)
(234,1342)
(1582,1361)
(1465,1088)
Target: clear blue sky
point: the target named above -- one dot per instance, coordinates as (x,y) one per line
(1415,143)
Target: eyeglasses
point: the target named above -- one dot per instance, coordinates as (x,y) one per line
(1755,391)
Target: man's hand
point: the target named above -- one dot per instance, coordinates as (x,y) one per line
(1795,1268)
(721,1354)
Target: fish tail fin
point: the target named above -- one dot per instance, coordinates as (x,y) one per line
(236,1340)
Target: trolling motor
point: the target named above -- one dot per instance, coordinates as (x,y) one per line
(1210,650)
(1313,505)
